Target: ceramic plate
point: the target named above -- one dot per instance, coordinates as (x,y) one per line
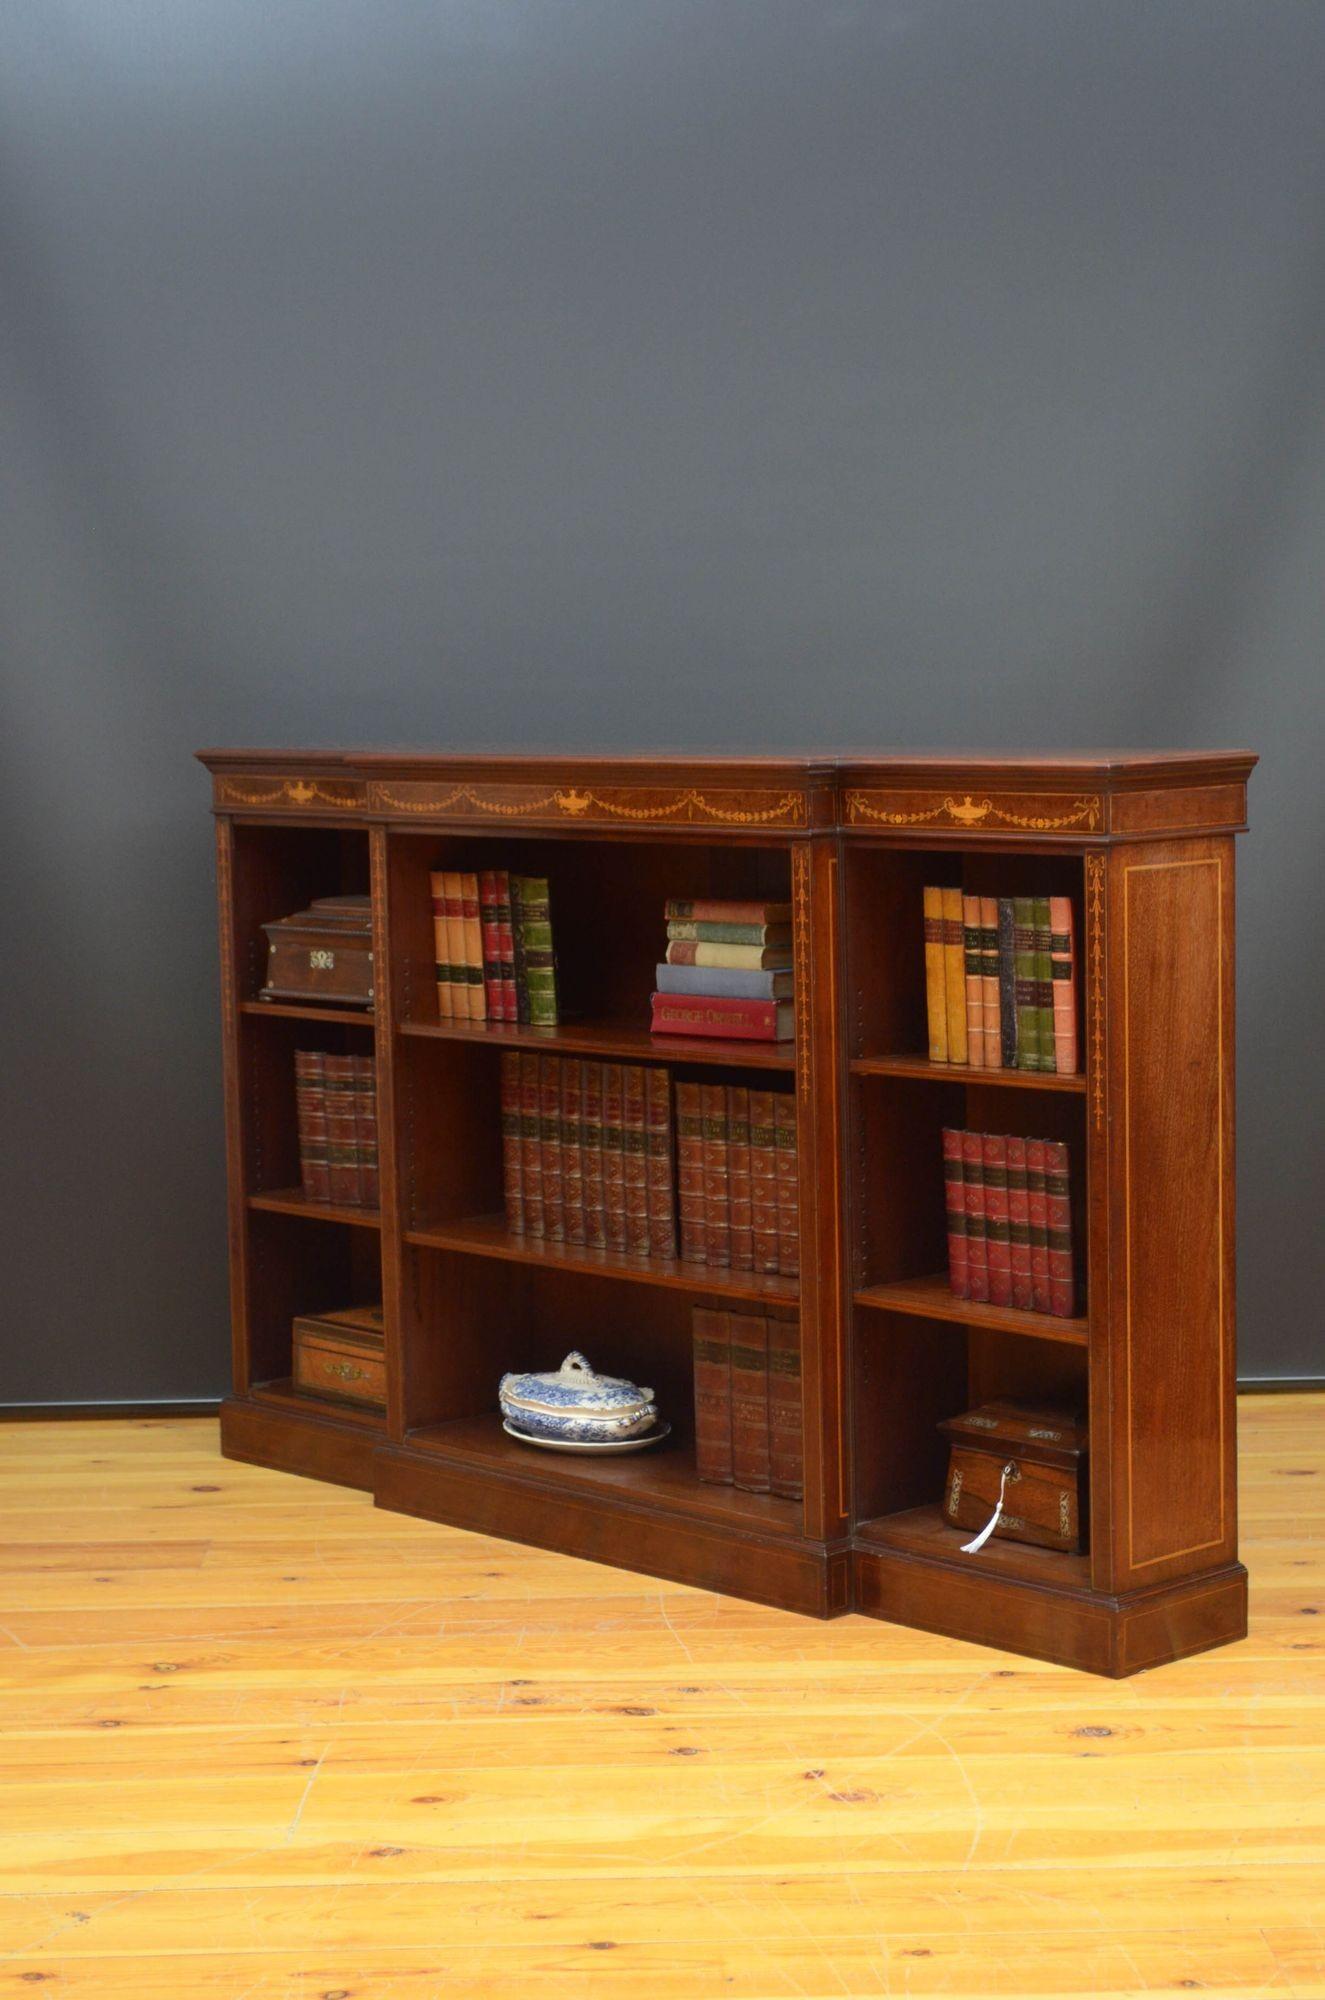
(592,1447)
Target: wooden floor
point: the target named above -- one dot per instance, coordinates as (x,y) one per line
(262,1743)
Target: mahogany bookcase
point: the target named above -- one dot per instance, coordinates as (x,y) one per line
(1141,842)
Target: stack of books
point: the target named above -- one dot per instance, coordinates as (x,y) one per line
(737,1178)
(492,940)
(748,1402)
(1009,1216)
(587,1152)
(727,973)
(336,1103)
(1000,981)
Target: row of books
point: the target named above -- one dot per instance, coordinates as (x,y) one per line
(336,1105)
(492,940)
(737,1178)
(1009,1217)
(727,973)
(1000,981)
(748,1402)
(587,1152)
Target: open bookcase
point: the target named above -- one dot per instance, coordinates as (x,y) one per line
(1141,844)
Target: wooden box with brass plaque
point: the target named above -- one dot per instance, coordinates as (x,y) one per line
(322,953)
(1019,1472)
(340,1354)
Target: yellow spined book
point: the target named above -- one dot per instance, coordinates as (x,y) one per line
(954,973)
(936,998)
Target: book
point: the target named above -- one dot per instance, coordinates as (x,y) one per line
(788,1181)
(662,1184)
(536,966)
(489,909)
(936,992)
(1058,1223)
(714,910)
(723,982)
(711,1337)
(973,1188)
(993,1023)
(517,952)
(998,1243)
(510,999)
(441,946)
(614,1157)
(511,1176)
(749,1364)
(634,1146)
(311,1115)
(1044,983)
(1063,961)
(763,1181)
(572,1150)
(549,1135)
(342,1130)
(740,1202)
(690,1172)
(954,1204)
(717,1217)
(760,957)
(1007,984)
(1038,1224)
(1019,1225)
(365,1121)
(1028,1014)
(531,1146)
(974,964)
(721,1019)
(954,974)
(786,1475)
(591,1153)
(472,934)
(681,928)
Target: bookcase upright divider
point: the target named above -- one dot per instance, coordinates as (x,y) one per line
(1141,843)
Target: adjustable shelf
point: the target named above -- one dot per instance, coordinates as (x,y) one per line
(612,1041)
(932,1298)
(287,1010)
(293,1201)
(922,1069)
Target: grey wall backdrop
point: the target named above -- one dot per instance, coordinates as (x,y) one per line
(595,373)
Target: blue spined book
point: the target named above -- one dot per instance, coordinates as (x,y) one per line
(724,982)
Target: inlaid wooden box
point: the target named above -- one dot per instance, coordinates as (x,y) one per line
(1042,1452)
(340,1354)
(322,953)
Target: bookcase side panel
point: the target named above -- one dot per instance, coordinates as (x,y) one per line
(388,1156)
(1169,1095)
(234,1170)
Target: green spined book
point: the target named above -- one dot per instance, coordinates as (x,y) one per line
(1044,983)
(1023,963)
(704,932)
(535,960)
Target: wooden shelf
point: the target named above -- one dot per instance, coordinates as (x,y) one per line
(921,1066)
(922,1532)
(285,1010)
(293,1201)
(614,1041)
(931,1298)
(283,1395)
(488,1236)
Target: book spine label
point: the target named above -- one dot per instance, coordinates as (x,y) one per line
(1007,984)
(954,1203)
(713,1395)
(740,1212)
(1063,959)
(788,1177)
(690,1172)
(750,1459)
(365,1114)
(1028,1014)
(511,1150)
(614,1157)
(342,1130)
(591,1154)
(549,1134)
(1038,1222)
(441,944)
(311,1107)
(954,974)
(635,1145)
(763,1181)
(993,1035)
(1044,984)
(510,999)
(973,960)
(786,1474)
(725,1020)
(1058,1224)
(490,922)
(998,1245)
(723,982)
(714,933)
(473,936)
(758,957)
(710,910)
(1019,1226)
(717,1217)
(531,1146)
(536,954)
(936,993)
(662,1180)
(572,1152)
(973,1189)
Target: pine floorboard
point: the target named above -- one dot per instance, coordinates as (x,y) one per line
(261,1742)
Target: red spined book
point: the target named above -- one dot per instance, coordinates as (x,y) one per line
(531,1146)
(750,1459)
(572,1152)
(549,1134)
(1039,1224)
(954,1202)
(365,1121)
(1063,963)
(635,1146)
(1058,1206)
(998,1246)
(472,932)
(713,910)
(763,1181)
(711,1334)
(719,1019)
(1019,1225)
(490,926)
(614,1158)
(342,1130)
(591,1154)
(441,945)
(690,1172)
(662,1183)
(788,1166)
(311,1107)
(785,1447)
(973,1187)
(717,1214)
(511,1174)
(739,1185)
(973,950)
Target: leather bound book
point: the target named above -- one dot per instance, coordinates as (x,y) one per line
(511,1150)
(750,1459)
(740,1213)
(489,910)
(788,1167)
(531,1146)
(441,945)
(1028,1013)
(591,1154)
(311,1109)
(711,1334)
(936,992)
(1044,983)
(614,1157)
(786,1458)
(998,1245)
(1007,984)
(531,914)
(973,960)
(954,974)
(1019,1225)
(453,901)
(690,1172)
(711,931)
(513,885)
(549,1134)
(722,1019)
(973,1188)
(760,957)
(989,982)
(510,999)
(1038,1212)
(662,1179)
(714,910)
(763,1181)
(473,935)
(717,1218)
(365,1119)
(572,1155)
(1058,1220)
(1063,960)
(954,1202)
(342,1130)
(635,1147)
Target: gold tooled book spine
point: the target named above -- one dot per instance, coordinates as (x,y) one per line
(954,974)
(936,996)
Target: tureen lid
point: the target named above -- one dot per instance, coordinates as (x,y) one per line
(574,1386)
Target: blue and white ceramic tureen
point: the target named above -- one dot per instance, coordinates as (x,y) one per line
(575,1405)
